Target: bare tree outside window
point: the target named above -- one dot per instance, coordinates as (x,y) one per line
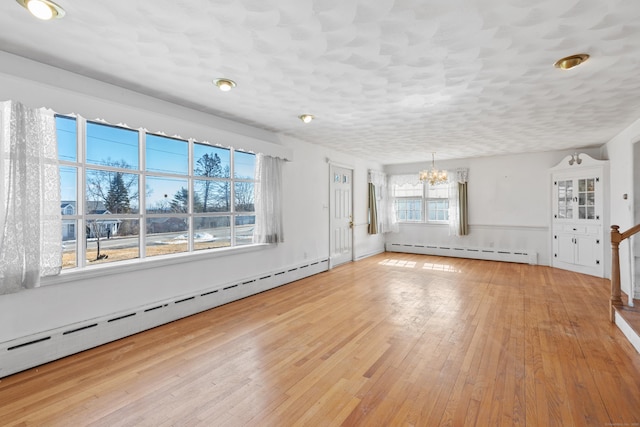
(207,166)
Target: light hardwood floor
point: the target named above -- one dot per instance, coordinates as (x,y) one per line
(394,339)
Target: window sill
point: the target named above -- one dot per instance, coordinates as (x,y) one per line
(147,263)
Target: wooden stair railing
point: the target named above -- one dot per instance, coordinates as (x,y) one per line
(616,238)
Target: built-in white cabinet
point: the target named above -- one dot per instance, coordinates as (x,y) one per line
(578,214)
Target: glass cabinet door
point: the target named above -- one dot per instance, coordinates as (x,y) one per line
(577,199)
(587,198)
(565,199)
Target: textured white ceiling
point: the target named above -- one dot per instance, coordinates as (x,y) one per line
(389,81)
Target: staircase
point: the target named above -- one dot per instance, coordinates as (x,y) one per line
(626,317)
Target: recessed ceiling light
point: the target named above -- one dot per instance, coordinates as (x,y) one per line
(306,118)
(42,9)
(571,61)
(225,85)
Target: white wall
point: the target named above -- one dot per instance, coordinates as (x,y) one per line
(509,201)
(620,152)
(113,288)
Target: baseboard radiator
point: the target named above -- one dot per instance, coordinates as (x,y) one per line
(30,351)
(491,254)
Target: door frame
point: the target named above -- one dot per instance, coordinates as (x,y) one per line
(634,241)
(331,165)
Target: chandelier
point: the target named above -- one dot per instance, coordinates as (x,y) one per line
(433,176)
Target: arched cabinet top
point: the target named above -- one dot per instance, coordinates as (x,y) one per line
(578,161)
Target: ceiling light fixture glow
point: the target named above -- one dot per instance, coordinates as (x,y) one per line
(225,85)
(306,118)
(42,9)
(571,61)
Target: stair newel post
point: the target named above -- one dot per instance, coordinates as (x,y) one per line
(616,298)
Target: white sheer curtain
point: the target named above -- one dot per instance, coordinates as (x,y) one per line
(457,204)
(410,183)
(268,200)
(30,219)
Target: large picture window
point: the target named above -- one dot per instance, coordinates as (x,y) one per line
(127,194)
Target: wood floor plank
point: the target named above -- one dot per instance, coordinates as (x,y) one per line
(394,339)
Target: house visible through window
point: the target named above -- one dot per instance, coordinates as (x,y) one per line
(128,194)
(418,202)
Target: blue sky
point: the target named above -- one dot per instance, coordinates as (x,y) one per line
(110,146)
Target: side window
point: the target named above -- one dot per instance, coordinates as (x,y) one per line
(421,202)
(438,202)
(408,202)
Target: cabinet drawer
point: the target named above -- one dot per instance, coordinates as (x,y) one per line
(580,229)
(593,229)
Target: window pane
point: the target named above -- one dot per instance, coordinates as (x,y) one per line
(166,155)
(409,209)
(66,134)
(69,243)
(111,192)
(244,229)
(407,190)
(244,165)
(167,235)
(68,190)
(167,195)
(439,191)
(210,161)
(212,196)
(117,240)
(112,146)
(244,196)
(219,227)
(438,209)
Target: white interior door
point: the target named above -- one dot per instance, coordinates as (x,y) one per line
(341,221)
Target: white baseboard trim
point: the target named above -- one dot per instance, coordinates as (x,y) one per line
(370,254)
(493,254)
(29,351)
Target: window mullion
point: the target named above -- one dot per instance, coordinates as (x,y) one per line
(232,195)
(81,188)
(190,205)
(425,203)
(142,194)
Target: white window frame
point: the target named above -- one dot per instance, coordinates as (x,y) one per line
(80,216)
(430,198)
(423,195)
